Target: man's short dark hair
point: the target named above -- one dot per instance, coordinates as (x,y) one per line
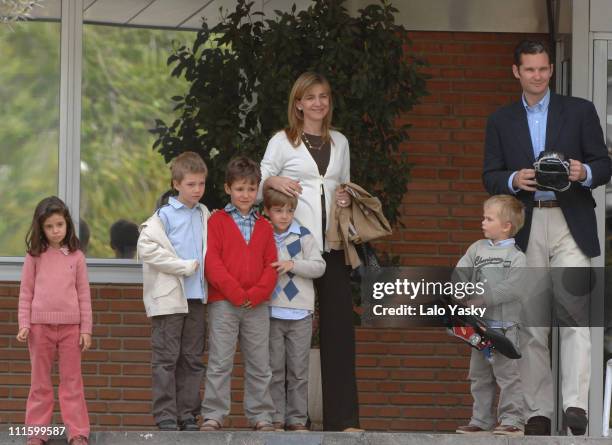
(242,168)
(529,47)
(124,238)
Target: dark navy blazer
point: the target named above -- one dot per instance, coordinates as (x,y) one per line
(572,129)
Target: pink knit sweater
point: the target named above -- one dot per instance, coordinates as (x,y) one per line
(55,290)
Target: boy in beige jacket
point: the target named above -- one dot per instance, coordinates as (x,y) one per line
(172,246)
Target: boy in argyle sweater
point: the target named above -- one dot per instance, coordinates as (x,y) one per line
(291,308)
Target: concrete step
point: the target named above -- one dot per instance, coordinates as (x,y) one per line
(311,438)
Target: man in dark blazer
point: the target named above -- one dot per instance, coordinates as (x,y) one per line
(560,227)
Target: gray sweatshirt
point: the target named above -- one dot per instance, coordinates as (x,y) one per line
(502,270)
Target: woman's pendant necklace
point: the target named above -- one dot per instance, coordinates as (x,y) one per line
(309,144)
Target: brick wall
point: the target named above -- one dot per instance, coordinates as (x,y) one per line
(408,379)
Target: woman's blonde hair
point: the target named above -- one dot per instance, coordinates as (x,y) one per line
(295,117)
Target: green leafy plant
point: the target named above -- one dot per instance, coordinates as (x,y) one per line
(241,71)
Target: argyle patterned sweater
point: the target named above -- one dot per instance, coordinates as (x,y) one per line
(295,289)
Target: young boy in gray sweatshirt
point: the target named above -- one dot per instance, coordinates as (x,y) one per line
(499,265)
(291,308)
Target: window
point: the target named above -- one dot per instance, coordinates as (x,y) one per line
(126,85)
(29,134)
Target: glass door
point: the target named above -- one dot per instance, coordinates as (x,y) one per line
(602,336)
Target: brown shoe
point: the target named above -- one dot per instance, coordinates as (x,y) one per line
(576,420)
(264,426)
(538,426)
(210,425)
(471,429)
(297,427)
(508,430)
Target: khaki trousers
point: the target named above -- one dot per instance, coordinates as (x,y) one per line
(552,246)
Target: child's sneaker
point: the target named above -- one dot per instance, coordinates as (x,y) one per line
(471,429)
(508,430)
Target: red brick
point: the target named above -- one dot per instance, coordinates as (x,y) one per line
(412,399)
(451,123)
(136,394)
(432,110)
(440,59)
(467,136)
(109,394)
(452,73)
(454,148)
(365,335)
(451,98)
(425,261)
(110,368)
(109,343)
(416,223)
(129,407)
(424,210)
(421,198)
(474,174)
(473,110)
(373,398)
(421,147)
(136,369)
(131,382)
(492,73)
(489,48)
(467,186)
(421,122)
(423,173)
(107,318)
(425,236)
(372,374)
(376,424)
(447,198)
(136,319)
(104,419)
(365,361)
(132,292)
(108,292)
(137,343)
(412,425)
(127,306)
(389,362)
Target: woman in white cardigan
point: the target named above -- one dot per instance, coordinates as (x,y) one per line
(309,160)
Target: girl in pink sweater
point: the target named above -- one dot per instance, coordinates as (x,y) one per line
(55,315)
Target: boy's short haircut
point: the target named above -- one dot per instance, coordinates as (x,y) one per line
(241,168)
(510,209)
(273,198)
(185,163)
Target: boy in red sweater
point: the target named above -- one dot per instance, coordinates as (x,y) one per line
(241,249)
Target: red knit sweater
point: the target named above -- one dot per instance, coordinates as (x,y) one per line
(237,271)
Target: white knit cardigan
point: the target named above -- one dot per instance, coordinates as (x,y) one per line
(282,159)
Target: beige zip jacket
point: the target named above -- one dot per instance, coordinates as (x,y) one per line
(163,270)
